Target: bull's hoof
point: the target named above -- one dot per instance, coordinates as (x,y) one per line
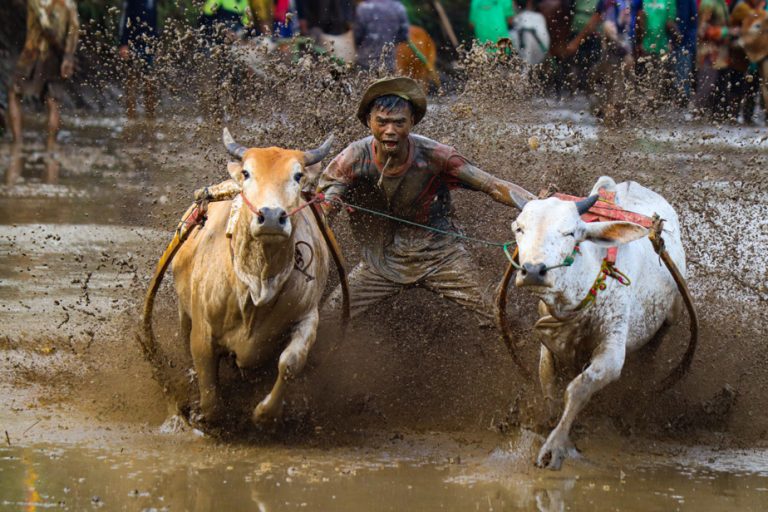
(175,424)
(267,413)
(554,452)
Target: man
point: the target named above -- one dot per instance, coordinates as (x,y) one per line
(744,78)
(138,30)
(617,63)
(48,58)
(713,57)
(660,36)
(584,47)
(233,16)
(683,54)
(491,19)
(377,24)
(333,17)
(410,177)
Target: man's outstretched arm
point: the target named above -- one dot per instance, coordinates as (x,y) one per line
(475,178)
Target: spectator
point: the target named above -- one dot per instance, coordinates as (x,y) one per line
(584,47)
(659,35)
(491,19)
(714,38)
(232,15)
(683,54)
(333,17)
(282,24)
(617,62)
(379,23)
(743,75)
(138,30)
(48,58)
(530,35)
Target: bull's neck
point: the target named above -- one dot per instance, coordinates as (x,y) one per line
(262,268)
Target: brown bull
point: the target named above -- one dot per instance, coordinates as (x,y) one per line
(407,63)
(251,295)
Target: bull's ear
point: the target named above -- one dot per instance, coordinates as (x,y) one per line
(608,234)
(312,175)
(235,170)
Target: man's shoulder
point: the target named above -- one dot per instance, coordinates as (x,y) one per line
(356,151)
(435,152)
(422,142)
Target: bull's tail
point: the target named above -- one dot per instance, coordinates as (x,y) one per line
(693,318)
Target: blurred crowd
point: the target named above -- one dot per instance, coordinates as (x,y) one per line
(704,55)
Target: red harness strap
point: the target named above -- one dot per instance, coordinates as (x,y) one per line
(606,209)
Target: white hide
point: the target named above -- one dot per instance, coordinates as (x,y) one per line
(622,319)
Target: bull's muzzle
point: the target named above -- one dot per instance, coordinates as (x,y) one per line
(532,274)
(271,221)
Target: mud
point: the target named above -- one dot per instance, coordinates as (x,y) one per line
(418,403)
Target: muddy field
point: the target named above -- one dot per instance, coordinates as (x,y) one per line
(418,408)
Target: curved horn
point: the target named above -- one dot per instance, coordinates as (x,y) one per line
(313,156)
(233,148)
(584,205)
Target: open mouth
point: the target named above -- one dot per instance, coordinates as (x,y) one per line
(388,144)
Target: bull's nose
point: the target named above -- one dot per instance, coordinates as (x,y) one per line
(533,273)
(271,217)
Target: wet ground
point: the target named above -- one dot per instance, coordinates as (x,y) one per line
(400,419)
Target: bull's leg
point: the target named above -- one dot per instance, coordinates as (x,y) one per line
(206,361)
(176,421)
(291,362)
(548,382)
(605,367)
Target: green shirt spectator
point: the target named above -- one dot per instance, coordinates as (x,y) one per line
(582,12)
(490,19)
(659,14)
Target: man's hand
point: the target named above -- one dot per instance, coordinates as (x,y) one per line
(124,52)
(67,66)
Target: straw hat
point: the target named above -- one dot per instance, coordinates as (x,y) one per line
(401,86)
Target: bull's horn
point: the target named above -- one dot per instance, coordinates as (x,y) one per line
(313,156)
(584,205)
(233,147)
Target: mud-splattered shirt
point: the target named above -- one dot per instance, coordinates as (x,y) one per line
(418,191)
(52,25)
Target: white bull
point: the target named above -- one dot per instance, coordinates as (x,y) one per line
(620,320)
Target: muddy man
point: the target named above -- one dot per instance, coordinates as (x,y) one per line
(410,177)
(46,60)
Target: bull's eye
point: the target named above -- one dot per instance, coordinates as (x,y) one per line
(519,230)
(568,234)
(297,177)
(246,174)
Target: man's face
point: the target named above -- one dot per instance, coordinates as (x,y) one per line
(390,128)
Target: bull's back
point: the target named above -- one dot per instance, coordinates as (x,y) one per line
(206,246)
(636,198)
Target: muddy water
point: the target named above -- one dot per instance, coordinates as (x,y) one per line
(401,418)
(405,474)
